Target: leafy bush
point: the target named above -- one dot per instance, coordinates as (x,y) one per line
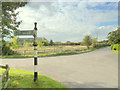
(51,43)
(15,43)
(98,45)
(115,46)
(111,47)
(6,49)
(40,43)
(94,45)
(114,37)
(87,41)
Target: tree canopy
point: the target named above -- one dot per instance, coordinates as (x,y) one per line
(114,36)
(87,41)
(51,43)
(9,23)
(9,18)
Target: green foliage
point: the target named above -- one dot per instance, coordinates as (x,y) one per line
(115,48)
(9,23)
(79,43)
(28,44)
(68,43)
(9,18)
(94,45)
(94,41)
(15,43)
(45,41)
(40,43)
(114,36)
(98,45)
(87,41)
(6,49)
(51,43)
(57,43)
(111,47)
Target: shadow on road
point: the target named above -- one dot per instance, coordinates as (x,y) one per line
(85,85)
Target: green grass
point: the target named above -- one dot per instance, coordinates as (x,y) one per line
(50,54)
(24,79)
(117,47)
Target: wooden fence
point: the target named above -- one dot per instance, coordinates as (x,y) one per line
(5,75)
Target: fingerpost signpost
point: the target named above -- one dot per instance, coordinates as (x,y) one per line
(34,33)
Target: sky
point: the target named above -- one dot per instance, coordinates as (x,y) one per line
(70,21)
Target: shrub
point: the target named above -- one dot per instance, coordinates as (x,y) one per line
(111,47)
(15,43)
(40,43)
(94,45)
(101,45)
(115,46)
(87,41)
(6,49)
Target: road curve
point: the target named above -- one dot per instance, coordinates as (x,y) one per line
(96,69)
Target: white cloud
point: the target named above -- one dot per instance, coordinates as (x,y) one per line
(103,31)
(65,22)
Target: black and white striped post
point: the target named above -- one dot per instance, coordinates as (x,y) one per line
(34,33)
(35,52)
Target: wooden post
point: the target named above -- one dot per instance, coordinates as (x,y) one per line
(35,52)
(7,74)
(24,52)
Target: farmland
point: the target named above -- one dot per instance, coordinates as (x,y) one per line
(49,49)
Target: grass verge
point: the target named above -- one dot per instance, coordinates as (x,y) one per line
(24,79)
(50,54)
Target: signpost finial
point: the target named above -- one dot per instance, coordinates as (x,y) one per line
(35,26)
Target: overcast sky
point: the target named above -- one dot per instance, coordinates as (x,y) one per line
(70,21)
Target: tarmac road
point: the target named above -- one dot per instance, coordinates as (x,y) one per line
(96,69)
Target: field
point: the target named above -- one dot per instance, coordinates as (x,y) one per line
(49,49)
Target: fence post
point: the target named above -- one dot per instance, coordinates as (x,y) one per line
(7,72)
(54,48)
(24,52)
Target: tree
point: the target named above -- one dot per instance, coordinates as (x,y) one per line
(68,43)
(9,21)
(51,43)
(45,41)
(15,43)
(87,41)
(94,41)
(114,36)
(9,18)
